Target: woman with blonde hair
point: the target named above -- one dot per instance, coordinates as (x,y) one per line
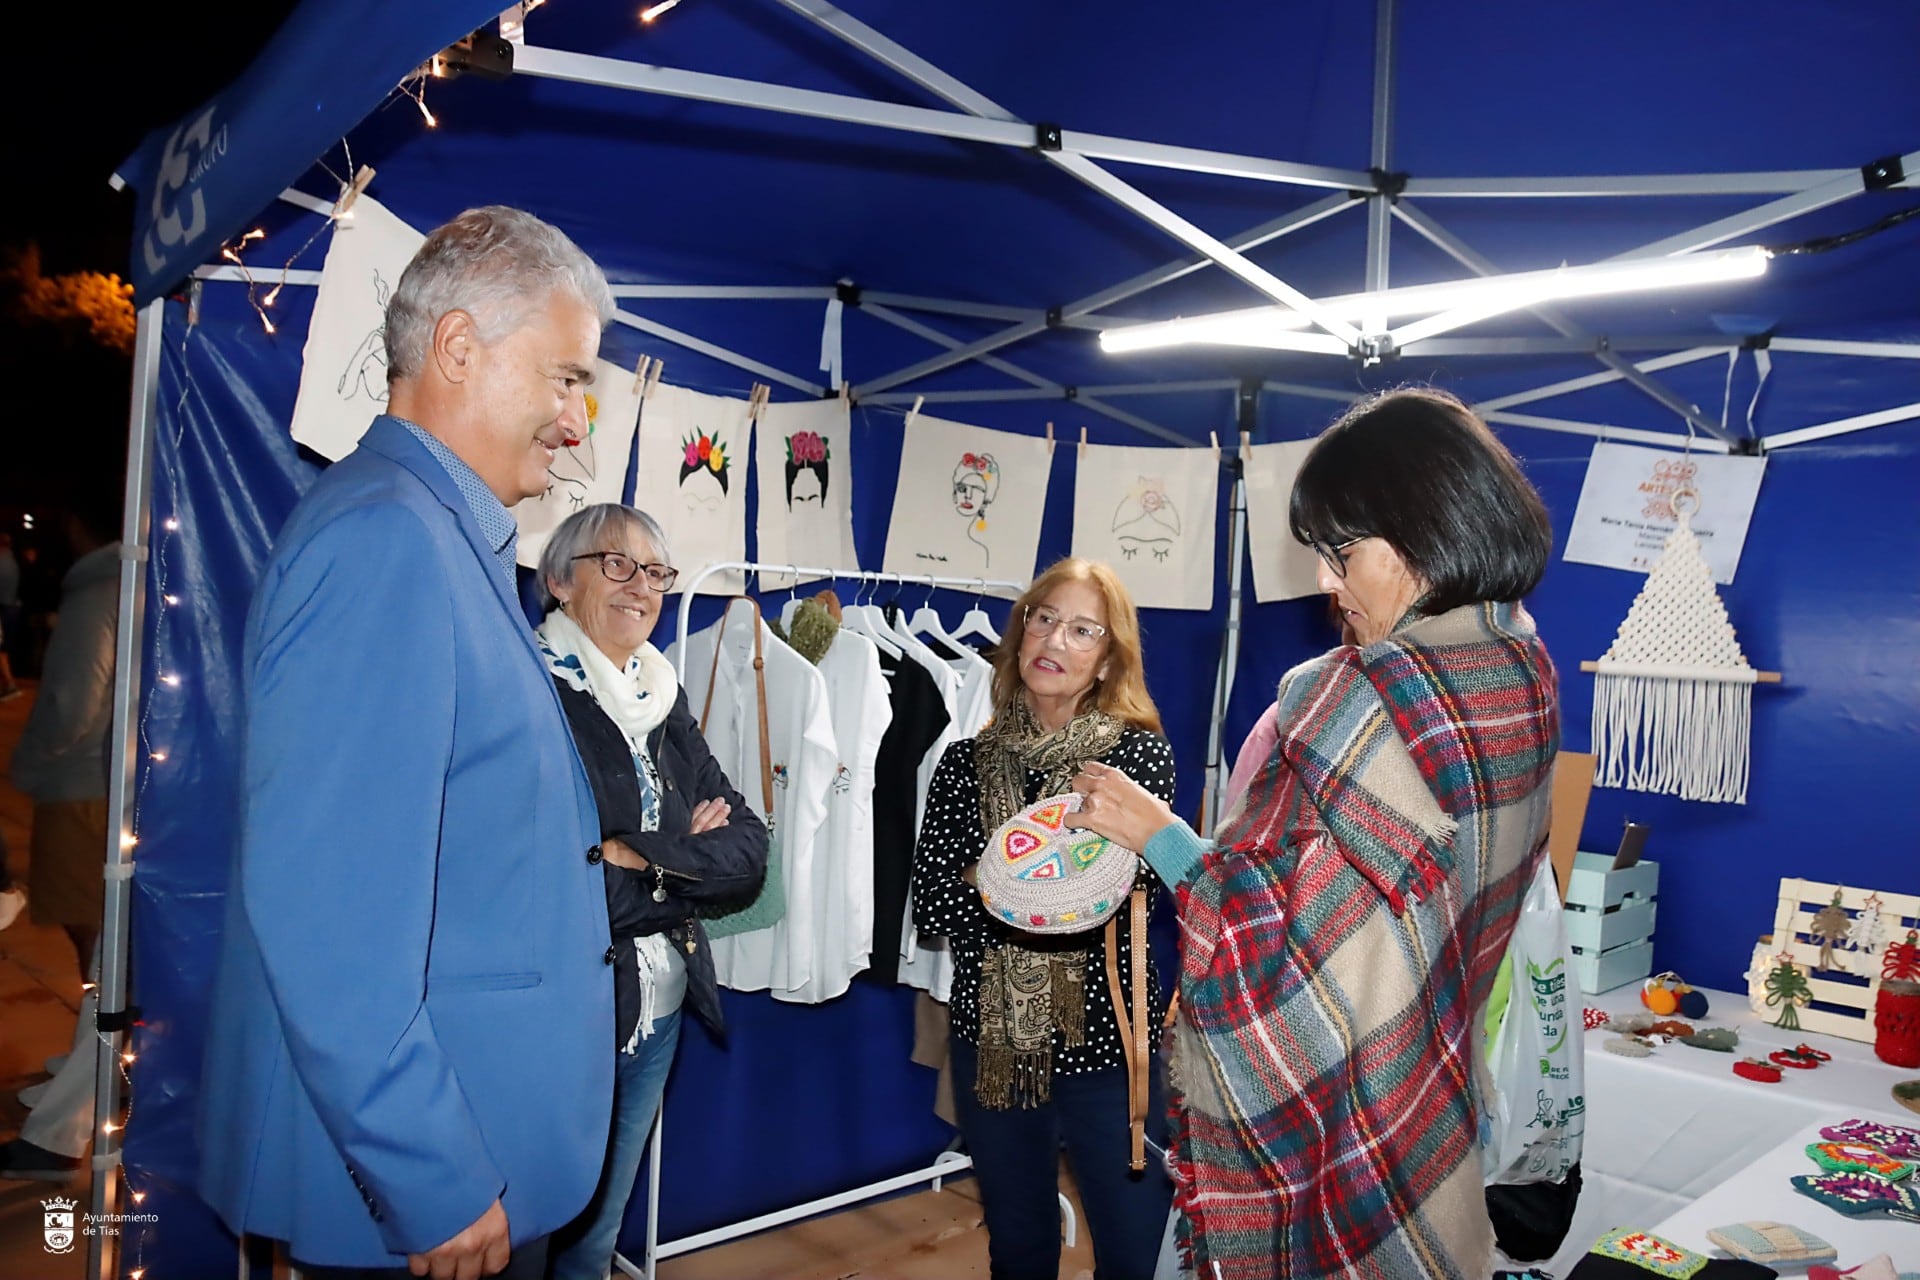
(1036,1048)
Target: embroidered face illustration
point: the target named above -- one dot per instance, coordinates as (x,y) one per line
(808,453)
(704,471)
(366,371)
(976,482)
(1146,520)
(574,467)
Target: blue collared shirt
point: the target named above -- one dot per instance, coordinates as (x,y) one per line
(496,522)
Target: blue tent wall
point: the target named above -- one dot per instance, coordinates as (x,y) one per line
(808,1100)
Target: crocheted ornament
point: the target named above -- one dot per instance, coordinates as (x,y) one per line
(1671,1029)
(1897,1140)
(1630,1023)
(1646,1250)
(1788,989)
(1042,876)
(1628,1047)
(1693,1004)
(1798,1059)
(1772,1242)
(1718,1039)
(1869,927)
(1673,694)
(1829,927)
(1757,1069)
(1857,1157)
(1858,1194)
(1591,1017)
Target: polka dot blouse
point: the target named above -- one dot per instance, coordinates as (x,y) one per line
(952,839)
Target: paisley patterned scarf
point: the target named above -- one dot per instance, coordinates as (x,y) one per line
(1028,993)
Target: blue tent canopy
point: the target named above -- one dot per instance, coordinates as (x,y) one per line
(951,241)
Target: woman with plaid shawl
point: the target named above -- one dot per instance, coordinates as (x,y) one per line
(1339,939)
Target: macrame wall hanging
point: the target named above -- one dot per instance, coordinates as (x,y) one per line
(1673,697)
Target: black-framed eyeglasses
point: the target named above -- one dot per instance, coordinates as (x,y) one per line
(1334,554)
(1082,633)
(618,566)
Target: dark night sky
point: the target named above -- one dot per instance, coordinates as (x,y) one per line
(87,87)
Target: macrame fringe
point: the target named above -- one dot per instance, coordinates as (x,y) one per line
(1689,738)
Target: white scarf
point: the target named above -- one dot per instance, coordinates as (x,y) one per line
(637,698)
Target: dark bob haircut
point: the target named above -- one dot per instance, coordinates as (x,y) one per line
(1418,468)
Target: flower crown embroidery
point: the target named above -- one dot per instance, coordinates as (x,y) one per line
(983,463)
(593,414)
(805,448)
(703,450)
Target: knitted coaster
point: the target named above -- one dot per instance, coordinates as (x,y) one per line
(1628,1047)
(1649,1252)
(1042,876)
(1858,1194)
(1857,1157)
(1772,1242)
(1755,1069)
(1593,1017)
(1718,1039)
(1671,1028)
(1794,1058)
(1897,1140)
(1630,1023)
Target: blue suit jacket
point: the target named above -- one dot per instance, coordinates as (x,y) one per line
(414,1003)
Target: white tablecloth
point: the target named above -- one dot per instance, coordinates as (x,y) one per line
(1762,1192)
(1665,1130)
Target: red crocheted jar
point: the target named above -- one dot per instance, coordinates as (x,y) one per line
(1896,1024)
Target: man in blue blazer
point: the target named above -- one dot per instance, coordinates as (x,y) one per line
(407,1066)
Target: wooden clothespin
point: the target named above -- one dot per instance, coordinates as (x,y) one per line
(1083,442)
(1049,439)
(640,368)
(653,377)
(915,411)
(846,392)
(1246,447)
(1214,436)
(343,208)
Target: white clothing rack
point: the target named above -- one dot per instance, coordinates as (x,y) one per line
(947,1163)
(797,571)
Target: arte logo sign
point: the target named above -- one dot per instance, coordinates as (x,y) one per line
(57,1223)
(193,149)
(1667,479)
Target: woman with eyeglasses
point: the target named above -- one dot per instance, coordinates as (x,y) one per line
(1341,934)
(1035,1046)
(674,834)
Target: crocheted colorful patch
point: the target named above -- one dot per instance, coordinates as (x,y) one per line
(1857,1157)
(1016,842)
(1648,1251)
(1858,1194)
(1897,1140)
(1051,867)
(1051,816)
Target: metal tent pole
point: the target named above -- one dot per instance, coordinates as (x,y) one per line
(103,1250)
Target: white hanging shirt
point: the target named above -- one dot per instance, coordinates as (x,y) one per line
(780,959)
(861,712)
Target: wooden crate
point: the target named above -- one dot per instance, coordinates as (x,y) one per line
(1610,917)
(1850,1011)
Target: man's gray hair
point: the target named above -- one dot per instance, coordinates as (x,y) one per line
(605,526)
(495,263)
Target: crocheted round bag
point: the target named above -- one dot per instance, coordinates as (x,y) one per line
(1042,876)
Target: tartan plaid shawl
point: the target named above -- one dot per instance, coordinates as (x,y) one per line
(1338,945)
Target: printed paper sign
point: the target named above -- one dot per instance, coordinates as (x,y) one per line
(1627,510)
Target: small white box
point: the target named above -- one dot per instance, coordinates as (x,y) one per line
(1610,917)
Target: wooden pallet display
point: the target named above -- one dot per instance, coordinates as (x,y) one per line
(1850,1014)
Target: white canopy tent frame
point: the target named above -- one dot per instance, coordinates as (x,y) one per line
(1799,191)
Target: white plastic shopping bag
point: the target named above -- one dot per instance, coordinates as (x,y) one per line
(1539,1109)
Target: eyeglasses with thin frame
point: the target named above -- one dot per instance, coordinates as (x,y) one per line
(1334,554)
(618,566)
(1082,633)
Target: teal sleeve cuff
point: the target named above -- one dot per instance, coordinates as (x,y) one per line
(1174,852)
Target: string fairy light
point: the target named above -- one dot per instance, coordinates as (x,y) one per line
(654,11)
